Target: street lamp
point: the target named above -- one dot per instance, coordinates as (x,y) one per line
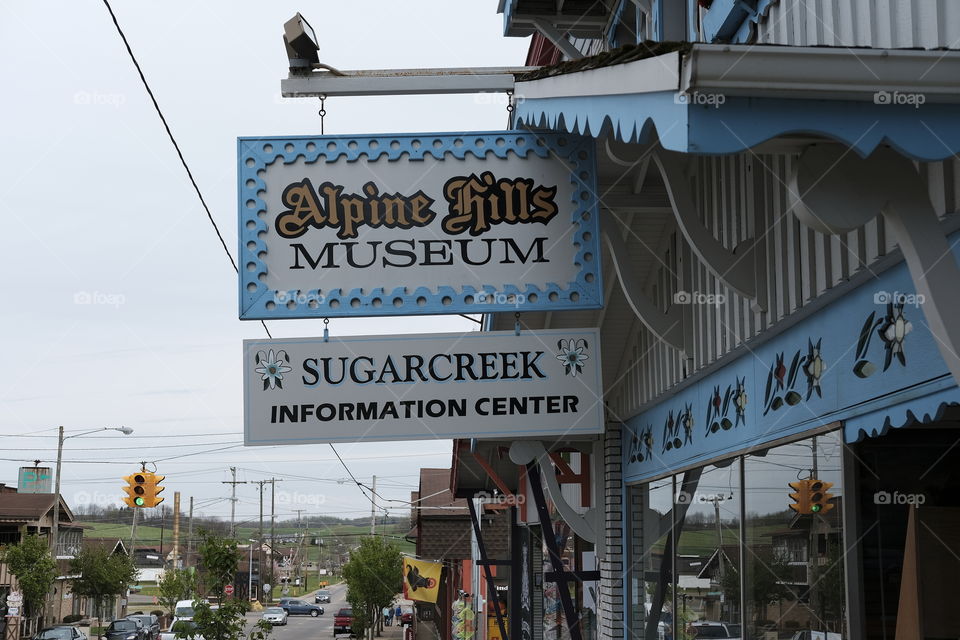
(55,530)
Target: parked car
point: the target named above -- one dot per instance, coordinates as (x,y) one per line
(62,632)
(406,615)
(807,634)
(150,623)
(186,627)
(275,616)
(183,610)
(719,630)
(343,621)
(296,607)
(125,629)
(322,596)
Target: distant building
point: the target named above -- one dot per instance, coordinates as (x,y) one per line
(33,514)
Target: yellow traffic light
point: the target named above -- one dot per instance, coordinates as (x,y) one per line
(142,489)
(135,489)
(800,496)
(819,496)
(153,490)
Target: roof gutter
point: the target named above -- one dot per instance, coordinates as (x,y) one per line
(822,73)
(841,73)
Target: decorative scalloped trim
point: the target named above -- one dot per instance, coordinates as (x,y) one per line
(912,415)
(257,302)
(685,128)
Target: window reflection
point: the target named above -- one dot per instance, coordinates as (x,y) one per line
(794,561)
(649,572)
(708,552)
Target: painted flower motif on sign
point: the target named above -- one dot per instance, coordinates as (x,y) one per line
(271,367)
(814,368)
(740,400)
(641,447)
(572,355)
(892,329)
(720,404)
(893,332)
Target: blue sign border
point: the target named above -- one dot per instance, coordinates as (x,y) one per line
(257,302)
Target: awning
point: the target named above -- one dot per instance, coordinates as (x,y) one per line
(917,410)
(721,99)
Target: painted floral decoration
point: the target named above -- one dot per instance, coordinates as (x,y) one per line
(572,355)
(814,368)
(893,332)
(740,400)
(271,368)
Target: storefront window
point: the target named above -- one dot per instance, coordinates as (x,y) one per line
(650,569)
(708,552)
(794,560)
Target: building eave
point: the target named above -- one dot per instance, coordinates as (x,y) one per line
(723,99)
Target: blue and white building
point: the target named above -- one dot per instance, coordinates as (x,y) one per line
(778,195)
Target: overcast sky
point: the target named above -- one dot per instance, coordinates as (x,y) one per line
(120,305)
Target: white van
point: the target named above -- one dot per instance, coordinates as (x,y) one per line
(183,611)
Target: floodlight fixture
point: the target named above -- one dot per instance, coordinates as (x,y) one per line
(301,43)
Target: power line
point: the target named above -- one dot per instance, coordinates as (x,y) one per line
(176,146)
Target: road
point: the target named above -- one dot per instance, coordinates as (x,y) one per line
(306,627)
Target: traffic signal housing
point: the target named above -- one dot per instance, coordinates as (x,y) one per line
(811,496)
(143,489)
(800,496)
(819,496)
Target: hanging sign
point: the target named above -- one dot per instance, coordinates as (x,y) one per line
(422,386)
(421,579)
(417,224)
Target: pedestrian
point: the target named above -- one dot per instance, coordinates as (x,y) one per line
(387,615)
(397,613)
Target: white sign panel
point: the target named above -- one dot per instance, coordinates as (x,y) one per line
(417,224)
(422,386)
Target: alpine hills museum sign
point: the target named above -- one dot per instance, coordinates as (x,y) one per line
(422,386)
(417,224)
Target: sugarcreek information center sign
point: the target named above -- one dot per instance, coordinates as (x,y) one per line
(417,224)
(422,386)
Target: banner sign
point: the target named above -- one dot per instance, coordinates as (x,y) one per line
(417,224)
(422,386)
(421,579)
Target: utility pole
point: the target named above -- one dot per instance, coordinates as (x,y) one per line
(190,534)
(273,523)
(233,500)
(299,560)
(272,482)
(176,530)
(716,500)
(373,507)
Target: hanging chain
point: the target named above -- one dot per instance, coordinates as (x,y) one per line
(322,113)
(326,321)
(510,106)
